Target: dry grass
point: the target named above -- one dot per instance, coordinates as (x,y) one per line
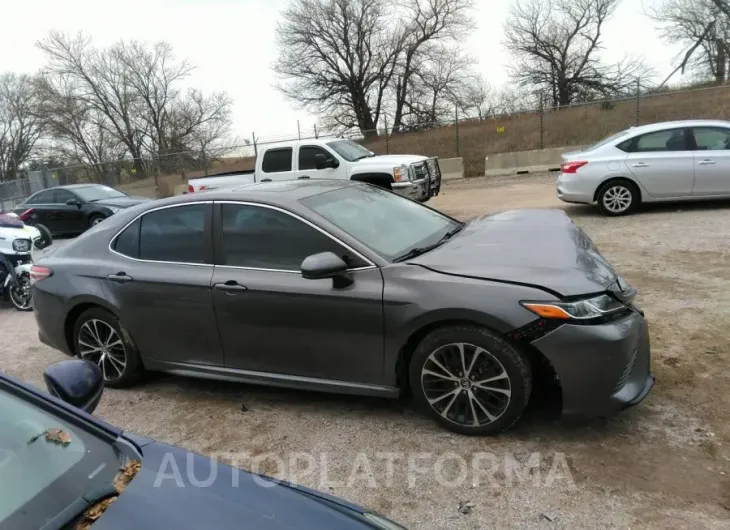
(565,127)
(477,139)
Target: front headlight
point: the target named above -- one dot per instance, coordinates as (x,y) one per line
(401,174)
(595,307)
(382,522)
(21,245)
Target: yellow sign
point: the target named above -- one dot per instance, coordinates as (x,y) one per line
(133,171)
(53,175)
(500,128)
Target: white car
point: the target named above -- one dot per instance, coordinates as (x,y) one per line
(670,161)
(413,176)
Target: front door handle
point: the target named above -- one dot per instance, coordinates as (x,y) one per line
(119,277)
(641,164)
(707,162)
(231,286)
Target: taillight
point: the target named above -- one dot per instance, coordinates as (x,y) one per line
(191,189)
(38,273)
(26,214)
(572,167)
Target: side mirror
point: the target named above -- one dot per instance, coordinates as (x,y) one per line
(78,383)
(324,162)
(72,202)
(326,265)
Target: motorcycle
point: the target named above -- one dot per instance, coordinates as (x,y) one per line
(17,241)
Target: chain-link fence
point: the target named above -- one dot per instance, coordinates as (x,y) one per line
(471,138)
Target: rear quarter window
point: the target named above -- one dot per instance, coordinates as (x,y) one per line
(127,243)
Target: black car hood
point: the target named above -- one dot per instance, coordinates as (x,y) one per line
(121,202)
(181,490)
(543,248)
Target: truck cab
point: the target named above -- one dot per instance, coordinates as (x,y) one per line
(414,176)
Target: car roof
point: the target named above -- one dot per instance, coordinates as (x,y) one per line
(677,124)
(287,192)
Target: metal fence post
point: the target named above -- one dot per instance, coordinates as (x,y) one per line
(316,135)
(387,143)
(299,131)
(638,100)
(205,163)
(458,143)
(542,121)
(255,149)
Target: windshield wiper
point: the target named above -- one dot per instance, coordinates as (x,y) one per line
(415,252)
(363,156)
(77,508)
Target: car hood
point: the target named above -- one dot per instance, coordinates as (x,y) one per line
(543,248)
(182,490)
(121,202)
(390,161)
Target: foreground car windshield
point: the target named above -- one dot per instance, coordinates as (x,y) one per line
(350,150)
(387,223)
(97,193)
(46,464)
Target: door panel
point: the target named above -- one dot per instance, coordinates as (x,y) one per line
(662,162)
(712,161)
(70,218)
(285,324)
(167,309)
(159,279)
(271,319)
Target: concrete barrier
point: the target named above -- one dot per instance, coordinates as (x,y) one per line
(451,168)
(536,161)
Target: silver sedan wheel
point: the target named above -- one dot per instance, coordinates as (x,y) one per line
(466,384)
(100,344)
(617,199)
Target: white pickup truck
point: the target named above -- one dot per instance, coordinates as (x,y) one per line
(416,177)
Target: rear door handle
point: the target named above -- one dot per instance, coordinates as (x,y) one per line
(706,163)
(641,164)
(231,286)
(119,277)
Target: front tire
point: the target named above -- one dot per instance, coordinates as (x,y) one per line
(99,339)
(618,197)
(95,220)
(470,380)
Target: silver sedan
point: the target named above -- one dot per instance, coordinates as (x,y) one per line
(670,161)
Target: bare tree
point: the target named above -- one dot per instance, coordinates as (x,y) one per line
(702,30)
(425,23)
(477,98)
(20,127)
(556,46)
(436,85)
(336,57)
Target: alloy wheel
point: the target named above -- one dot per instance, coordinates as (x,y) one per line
(20,294)
(466,384)
(100,344)
(617,199)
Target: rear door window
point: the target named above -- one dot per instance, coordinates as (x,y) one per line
(172,234)
(277,160)
(669,140)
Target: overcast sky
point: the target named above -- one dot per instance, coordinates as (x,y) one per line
(232,44)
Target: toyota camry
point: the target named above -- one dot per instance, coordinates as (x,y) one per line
(344,287)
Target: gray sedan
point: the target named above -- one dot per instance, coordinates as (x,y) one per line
(344,287)
(671,161)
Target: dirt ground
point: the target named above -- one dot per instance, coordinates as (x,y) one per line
(665,463)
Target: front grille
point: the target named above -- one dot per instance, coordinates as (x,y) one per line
(627,371)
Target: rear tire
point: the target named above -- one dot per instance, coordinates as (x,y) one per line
(99,338)
(618,197)
(20,294)
(470,380)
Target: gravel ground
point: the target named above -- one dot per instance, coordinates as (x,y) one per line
(665,463)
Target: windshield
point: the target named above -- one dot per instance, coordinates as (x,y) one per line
(608,140)
(97,193)
(45,463)
(387,223)
(350,150)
